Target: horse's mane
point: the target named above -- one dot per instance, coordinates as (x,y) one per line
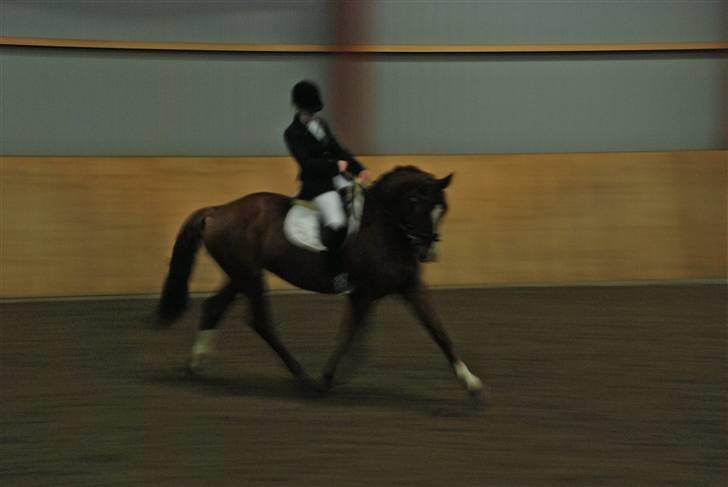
(399,176)
(399,171)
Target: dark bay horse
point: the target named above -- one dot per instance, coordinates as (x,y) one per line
(398,231)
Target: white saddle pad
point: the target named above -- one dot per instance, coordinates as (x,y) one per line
(302,226)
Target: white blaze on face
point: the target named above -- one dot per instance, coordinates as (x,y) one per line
(436,215)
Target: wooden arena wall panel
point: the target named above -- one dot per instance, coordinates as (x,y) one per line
(73,226)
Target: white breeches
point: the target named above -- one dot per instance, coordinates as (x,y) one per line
(332,214)
(340,182)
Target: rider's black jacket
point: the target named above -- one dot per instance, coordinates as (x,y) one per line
(317,158)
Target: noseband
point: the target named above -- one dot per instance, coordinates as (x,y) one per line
(414,236)
(419,238)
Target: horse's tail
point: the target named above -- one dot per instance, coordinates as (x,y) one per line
(175,293)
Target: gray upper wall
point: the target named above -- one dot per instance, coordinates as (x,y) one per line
(390,21)
(95,102)
(235,21)
(123,102)
(548,103)
(548,21)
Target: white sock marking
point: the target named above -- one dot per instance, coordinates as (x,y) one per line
(203,347)
(472,382)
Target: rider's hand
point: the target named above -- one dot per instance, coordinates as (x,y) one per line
(365,176)
(343,165)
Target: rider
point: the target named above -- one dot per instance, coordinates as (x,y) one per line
(323,166)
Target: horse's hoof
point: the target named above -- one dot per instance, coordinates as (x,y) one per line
(194,367)
(472,382)
(312,385)
(474,385)
(481,396)
(320,389)
(327,381)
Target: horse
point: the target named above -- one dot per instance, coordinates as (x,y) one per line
(398,231)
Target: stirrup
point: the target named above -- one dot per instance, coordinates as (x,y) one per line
(342,285)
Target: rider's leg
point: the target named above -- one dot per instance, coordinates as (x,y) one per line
(333,235)
(332,212)
(340,182)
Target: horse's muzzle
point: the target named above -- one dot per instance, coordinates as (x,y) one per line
(427,252)
(425,246)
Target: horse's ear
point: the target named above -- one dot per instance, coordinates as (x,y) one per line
(445,182)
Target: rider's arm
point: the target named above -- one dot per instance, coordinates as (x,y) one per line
(355,167)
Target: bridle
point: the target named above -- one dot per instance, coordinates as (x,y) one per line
(414,236)
(419,238)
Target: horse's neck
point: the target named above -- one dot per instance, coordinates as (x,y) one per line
(375,209)
(378,219)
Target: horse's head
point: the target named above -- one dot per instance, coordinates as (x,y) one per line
(416,200)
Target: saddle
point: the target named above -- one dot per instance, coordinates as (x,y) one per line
(302,226)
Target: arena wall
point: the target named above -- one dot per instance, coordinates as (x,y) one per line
(105,225)
(588,144)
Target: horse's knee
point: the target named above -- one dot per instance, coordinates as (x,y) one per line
(260,326)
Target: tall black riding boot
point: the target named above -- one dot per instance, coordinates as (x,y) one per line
(334,258)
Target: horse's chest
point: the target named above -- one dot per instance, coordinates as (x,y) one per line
(387,272)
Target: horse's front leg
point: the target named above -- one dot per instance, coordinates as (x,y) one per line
(359,307)
(417,296)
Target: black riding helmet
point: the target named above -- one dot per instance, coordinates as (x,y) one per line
(306,97)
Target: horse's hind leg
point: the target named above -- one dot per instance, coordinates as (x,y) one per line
(213,309)
(261,322)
